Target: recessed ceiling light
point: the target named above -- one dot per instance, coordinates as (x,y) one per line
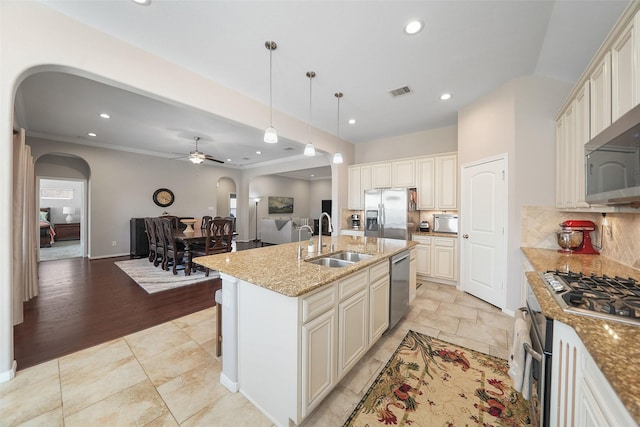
(413,27)
(258,152)
(352,121)
(445,96)
(312,175)
(142,2)
(228,160)
(105,116)
(92,134)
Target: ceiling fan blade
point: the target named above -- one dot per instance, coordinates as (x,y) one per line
(208,157)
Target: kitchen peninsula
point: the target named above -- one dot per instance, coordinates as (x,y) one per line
(292,329)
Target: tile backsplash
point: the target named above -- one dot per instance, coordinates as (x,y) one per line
(620,242)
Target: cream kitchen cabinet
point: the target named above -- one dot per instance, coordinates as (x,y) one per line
(426,187)
(437,182)
(378,301)
(403,173)
(381,175)
(587,397)
(353,330)
(447,182)
(625,71)
(436,258)
(413,280)
(359,181)
(600,89)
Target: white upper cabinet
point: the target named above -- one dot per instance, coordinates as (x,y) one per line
(426,168)
(403,173)
(624,72)
(600,88)
(381,175)
(581,137)
(447,182)
(359,181)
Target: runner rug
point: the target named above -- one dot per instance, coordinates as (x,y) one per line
(429,382)
(155,279)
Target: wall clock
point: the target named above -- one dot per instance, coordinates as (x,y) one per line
(163,197)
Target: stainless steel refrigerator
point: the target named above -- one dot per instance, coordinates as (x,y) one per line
(390,213)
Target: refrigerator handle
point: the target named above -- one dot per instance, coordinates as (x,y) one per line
(381,214)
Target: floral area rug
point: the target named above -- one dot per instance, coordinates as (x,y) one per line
(429,382)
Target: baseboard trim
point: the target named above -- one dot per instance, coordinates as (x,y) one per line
(10,374)
(231,385)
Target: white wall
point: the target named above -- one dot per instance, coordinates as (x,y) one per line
(225,186)
(122,185)
(434,141)
(517,119)
(319,190)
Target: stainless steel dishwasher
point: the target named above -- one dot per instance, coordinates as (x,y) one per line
(399,291)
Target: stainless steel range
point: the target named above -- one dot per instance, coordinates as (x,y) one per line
(613,298)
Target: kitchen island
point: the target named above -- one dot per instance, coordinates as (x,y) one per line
(292,329)
(613,346)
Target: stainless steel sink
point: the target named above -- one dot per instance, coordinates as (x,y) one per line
(351,256)
(330,262)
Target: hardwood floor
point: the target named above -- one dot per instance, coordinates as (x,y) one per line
(83,303)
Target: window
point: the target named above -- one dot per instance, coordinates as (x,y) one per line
(56,193)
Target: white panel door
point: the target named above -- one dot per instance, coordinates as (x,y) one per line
(483,218)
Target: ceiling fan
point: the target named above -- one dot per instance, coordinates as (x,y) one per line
(196,157)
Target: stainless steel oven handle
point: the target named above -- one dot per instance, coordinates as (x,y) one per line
(532,352)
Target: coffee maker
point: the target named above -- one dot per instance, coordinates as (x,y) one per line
(575,237)
(355,221)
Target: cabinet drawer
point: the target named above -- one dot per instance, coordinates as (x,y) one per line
(317,303)
(444,242)
(378,271)
(353,284)
(423,240)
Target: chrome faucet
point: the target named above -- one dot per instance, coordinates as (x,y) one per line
(320,230)
(300,236)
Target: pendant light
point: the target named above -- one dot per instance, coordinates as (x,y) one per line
(309,149)
(337,158)
(270,134)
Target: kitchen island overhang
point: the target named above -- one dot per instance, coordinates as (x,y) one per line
(285,320)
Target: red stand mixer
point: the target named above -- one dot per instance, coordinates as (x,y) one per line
(575,237)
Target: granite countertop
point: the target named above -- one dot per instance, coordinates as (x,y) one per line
(613,345)
(434,234)
(278,268)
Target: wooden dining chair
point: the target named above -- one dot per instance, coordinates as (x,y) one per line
(205,221)
(219,239)
(150,229)
(159,234)
(173,251)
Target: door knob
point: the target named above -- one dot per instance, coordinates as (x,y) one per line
(465,236)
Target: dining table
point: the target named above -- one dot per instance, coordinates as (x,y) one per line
(198,235)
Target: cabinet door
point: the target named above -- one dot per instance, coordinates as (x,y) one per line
(560,161)
(355,192)
(426,171)
(318,360)
(568,158)
(623,73)
(403,173)
(581,137)
(600,90)
(447,182)
(381,175)
(378,309)
(444,259)
(365,181)
(423,259)
(353,330)
(413,280)
(565,375)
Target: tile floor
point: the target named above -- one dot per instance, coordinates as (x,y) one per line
(168,375)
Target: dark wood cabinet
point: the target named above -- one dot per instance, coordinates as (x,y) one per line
(67,231)
(139,242)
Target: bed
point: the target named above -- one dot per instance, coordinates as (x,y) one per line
(46,229)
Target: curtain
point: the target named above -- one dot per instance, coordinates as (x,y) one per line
(24,232)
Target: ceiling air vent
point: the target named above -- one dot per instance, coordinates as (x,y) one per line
(287,149)
(404,90)
(246,158)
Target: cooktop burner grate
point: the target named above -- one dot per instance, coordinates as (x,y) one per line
(615,298)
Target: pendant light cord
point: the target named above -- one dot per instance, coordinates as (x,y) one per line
(271,83)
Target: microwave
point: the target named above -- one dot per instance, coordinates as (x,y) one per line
(445,223)
(612,165)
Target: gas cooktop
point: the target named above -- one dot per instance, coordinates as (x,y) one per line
(613,298)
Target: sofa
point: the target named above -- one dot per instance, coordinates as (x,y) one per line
(278,231)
